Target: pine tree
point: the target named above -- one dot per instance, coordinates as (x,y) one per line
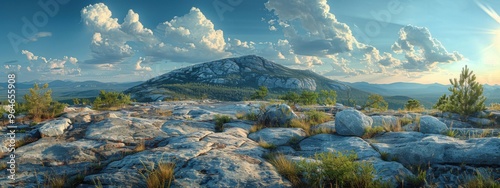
(260,94)
(413,104)
(376,102)
(467,94)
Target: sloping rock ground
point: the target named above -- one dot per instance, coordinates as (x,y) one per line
(117,148)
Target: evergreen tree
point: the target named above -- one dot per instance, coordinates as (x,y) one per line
(413,104)
(260,94)
(466,94)
(377,102)
(442,103)
(327,97)
(309,97)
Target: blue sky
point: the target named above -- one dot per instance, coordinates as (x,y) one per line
(380,41)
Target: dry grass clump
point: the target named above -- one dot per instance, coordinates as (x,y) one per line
(372,131)
(266,145)
(160,176)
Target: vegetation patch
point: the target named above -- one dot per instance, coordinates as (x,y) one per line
(220,120)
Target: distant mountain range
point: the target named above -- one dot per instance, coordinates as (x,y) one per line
(428,94)
(238,78)
(67,90)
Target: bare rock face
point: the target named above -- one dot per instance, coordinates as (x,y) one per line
(242,72)
(54,127)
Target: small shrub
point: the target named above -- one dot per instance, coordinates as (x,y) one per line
(418,180)
(110,100)
(339,170)
(286,168)
(299,123)
(479,181)
(414,105)
(405,121)
(54,181)
(372,131)
(252,116)
(315,117)
(266,145)
(220,120)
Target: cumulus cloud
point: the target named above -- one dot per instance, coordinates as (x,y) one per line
(324,34)
(139,67)
(188,38)
(422,51)
(52,66)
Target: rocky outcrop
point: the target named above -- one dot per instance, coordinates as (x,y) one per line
(54,127)
(278,136)
(118,150)
(418,148)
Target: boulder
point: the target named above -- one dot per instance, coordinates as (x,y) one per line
(334,143)
(480,121)
(454,123)
(351,122)
(416,148)
(54,127)
(278,136)
(389,121)
(278,115)
(495,115)
(389,171)
(431,125)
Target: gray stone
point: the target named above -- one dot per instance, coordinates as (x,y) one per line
(431,125)
(351,122)
(278,136)
(480,121)
(454,123)
(389,171)
(417,148)
(127,130)
(178,127)
(54,127)
(278,115)
(335,143)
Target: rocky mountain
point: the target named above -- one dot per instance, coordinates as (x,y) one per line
(237,76)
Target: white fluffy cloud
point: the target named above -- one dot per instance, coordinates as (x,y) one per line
(422,51)
(52,66)
(139,67)
(188,38)
(324,34)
